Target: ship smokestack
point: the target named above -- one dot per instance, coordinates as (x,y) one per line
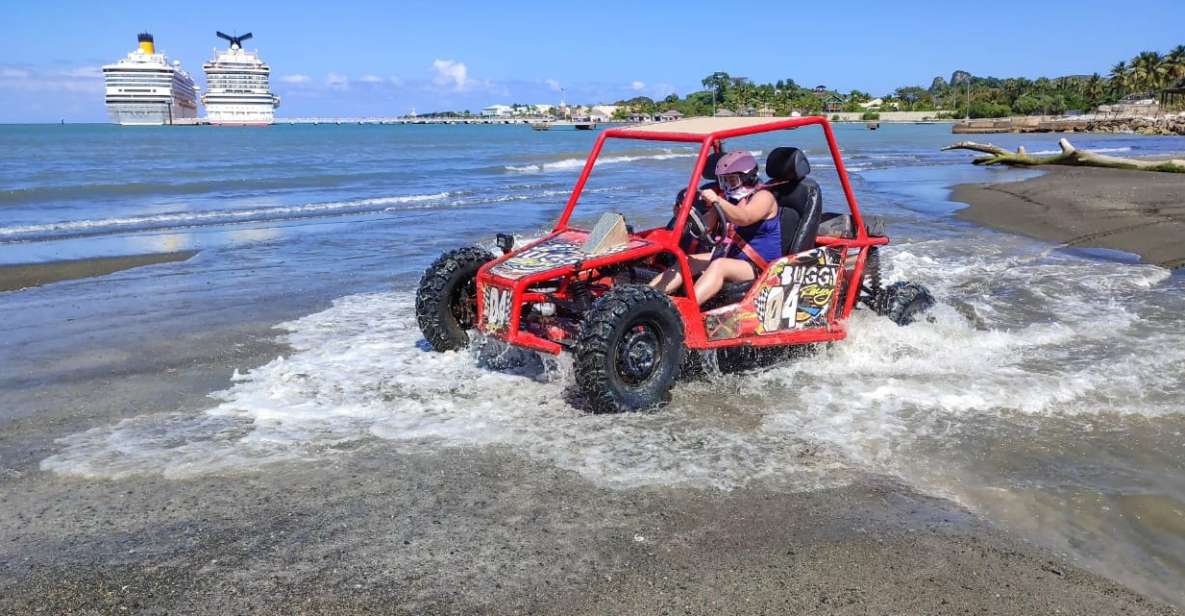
(146,43)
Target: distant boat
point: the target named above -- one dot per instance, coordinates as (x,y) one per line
(565,125)
(144,88)
(239,92)
(872,125)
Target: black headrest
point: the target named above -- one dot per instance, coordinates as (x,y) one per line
(710,166)
(787,164)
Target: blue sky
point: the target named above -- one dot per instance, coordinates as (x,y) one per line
(385,58)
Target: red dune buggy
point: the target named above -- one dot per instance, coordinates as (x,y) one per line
(585,291)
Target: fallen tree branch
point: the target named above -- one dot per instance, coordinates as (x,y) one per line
(1069,155)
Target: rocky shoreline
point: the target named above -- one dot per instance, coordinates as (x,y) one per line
(1137,125)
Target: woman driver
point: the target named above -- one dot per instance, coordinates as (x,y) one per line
(755,237)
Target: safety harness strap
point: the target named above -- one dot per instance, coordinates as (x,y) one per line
(746,248)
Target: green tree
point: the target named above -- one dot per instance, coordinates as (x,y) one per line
(717,82)
(1148,71)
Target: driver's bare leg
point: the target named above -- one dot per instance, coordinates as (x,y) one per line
(719,272)
(670,279)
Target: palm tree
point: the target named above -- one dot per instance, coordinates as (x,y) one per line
(1093,89)
(1148,71)
(1175,59)
(1120,77)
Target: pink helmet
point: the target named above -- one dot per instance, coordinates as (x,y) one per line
(736,162)
(737,174)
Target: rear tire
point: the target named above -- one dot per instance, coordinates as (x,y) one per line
(629,350)
(903,302)
(446,301)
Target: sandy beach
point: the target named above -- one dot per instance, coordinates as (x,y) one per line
(382,530)
(13,277)
(1132,211)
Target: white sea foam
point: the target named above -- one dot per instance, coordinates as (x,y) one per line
(359,372)
(576,163)
(211,217)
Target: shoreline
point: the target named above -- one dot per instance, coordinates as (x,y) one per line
(468,529)
(1137,212)
(29,275)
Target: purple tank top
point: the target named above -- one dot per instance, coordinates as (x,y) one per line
(765,237)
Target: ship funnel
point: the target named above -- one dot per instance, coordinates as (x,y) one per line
(236,42)
(146,44)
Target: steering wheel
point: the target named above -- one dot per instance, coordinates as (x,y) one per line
(696,226)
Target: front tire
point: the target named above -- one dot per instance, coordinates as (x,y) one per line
(629,350)
(446,301)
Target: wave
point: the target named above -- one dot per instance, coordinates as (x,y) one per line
(576,163)
(215,217)
(179,220)
(131,189)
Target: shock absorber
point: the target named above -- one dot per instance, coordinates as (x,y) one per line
(581,296)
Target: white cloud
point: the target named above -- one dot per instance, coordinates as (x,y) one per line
(637,86)
(337,81)
(451,73)
(51,79)
(82,72)
(371,79)
(297,78)
(553,84)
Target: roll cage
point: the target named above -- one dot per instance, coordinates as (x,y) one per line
(710,133)
(713,140)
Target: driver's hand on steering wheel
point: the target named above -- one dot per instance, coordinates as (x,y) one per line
(709,195)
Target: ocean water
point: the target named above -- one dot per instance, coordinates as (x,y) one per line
(1047,392)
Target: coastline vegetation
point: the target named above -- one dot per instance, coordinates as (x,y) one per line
(1144,76)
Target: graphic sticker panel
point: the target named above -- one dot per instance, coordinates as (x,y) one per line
(796,292)
(559,251)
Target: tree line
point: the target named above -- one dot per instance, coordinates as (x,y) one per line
(963,95)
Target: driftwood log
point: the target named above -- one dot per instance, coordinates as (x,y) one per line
(1070,155)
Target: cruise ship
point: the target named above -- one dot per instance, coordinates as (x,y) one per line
(144,88)
(237,92)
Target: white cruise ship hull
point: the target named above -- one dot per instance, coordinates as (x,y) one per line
(240,114)
(148,114)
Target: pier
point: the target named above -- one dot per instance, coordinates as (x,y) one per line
(418,120)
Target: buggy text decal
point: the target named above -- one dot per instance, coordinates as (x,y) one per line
(795,292)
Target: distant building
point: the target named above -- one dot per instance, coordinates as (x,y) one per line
(833,102)
(766,111)
(1173,98)
(725,113)
(497,111)
(605,110)
(640,117)
(873,104)
(669,115)
(542,108)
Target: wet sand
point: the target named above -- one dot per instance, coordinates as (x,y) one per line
(1133,211)
(377,530)
(23,276)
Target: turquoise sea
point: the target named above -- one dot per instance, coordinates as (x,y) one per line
(1047,393)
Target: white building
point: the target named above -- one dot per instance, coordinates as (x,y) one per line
(497,111)
(605,110)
